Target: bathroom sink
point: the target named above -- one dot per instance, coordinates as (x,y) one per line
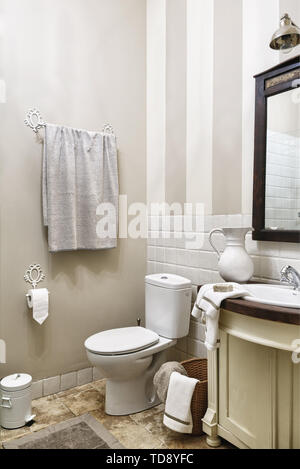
(275,295)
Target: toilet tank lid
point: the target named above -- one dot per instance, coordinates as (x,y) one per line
(170,281)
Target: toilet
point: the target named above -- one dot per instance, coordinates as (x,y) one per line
(129,357)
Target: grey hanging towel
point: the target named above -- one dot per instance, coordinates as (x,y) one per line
(80,189)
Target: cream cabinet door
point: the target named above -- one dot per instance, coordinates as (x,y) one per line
(246,391)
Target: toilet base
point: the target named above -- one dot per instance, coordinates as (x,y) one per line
(130,397)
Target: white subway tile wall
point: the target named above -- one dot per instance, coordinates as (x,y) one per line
(170,252)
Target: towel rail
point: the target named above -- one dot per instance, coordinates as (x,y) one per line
(35,121)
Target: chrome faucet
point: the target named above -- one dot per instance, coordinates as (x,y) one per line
(291,276)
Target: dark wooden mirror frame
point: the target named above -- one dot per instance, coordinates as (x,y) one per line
(279,79)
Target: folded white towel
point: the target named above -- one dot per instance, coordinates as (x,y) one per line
(207,308)
(178,415)
(161,379)
(38,300)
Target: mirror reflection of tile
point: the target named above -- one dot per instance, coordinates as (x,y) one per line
(283,163)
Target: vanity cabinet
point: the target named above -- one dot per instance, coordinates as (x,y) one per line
(254,385)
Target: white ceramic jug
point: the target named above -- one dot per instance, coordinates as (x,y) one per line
(235,264)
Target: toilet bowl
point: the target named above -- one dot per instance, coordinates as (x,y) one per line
(129,385)
(129,357)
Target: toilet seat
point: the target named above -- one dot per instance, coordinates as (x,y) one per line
(121,341)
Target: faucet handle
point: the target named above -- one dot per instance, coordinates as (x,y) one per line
(283,277)
(284,274)
(291,276)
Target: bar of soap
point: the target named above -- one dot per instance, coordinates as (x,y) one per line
(223,288)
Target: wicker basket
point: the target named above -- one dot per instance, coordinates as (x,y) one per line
(197,368)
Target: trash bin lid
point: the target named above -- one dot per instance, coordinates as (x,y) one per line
(16,382)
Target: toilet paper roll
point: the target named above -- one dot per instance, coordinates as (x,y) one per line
(38,301)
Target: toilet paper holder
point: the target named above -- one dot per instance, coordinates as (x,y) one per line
(34,275)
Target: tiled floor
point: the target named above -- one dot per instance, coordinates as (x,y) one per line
(140,431)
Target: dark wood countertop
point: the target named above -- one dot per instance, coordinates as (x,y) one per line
(261,311)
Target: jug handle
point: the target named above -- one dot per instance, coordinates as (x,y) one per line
(217,230)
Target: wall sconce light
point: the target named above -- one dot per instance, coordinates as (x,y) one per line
(287,36)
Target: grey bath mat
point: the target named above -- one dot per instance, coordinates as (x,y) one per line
(83,432)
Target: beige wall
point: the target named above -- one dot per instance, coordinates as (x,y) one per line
(82,63)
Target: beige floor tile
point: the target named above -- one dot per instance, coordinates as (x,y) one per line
(7,435)
(129,433)
(177,441)
(49,411)
(71,392)
(153,423)
(83,402)
(44,400)
(134,436)
(152,420)
(100,386)
(109,421)
(144,416)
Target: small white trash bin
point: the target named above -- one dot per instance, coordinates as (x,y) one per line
(15,401)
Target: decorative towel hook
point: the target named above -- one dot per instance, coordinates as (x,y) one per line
(34,275)
(34,120)
(108,129)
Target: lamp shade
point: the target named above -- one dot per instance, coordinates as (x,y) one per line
(287,36)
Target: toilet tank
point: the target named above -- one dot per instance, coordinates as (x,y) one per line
(168,305)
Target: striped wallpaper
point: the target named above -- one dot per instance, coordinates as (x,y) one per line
(202,55)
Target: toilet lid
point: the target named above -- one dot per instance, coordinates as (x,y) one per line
(121,341)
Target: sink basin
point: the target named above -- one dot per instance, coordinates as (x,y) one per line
(275,295)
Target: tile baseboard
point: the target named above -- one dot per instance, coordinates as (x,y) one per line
(53,385)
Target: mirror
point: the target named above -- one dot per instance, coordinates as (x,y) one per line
(276,195)
(282,203)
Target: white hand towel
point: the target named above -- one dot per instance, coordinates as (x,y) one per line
(80,189)
(207,308)
(178,415)
(38,300)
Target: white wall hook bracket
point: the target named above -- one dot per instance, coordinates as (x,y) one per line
(108,129)
(34,120)
(34,275)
